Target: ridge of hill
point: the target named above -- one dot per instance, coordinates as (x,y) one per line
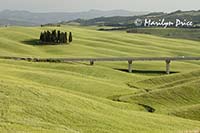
(129,21)
(26,18)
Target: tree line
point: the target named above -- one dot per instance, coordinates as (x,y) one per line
(55,37)
(51,25)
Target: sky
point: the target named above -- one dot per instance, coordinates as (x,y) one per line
(85,5)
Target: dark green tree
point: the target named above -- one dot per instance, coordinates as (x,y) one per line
(41,37)
(62,37)
(70,37)
(54,38)
(58,38)
(65,37)
(48,37)
(45,36)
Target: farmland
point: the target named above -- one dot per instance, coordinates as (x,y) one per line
(77,97)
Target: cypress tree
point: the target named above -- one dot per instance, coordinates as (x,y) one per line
(48,36)
(58,38)
(70,37)
(54,36)
(45,37)
(61,37)
(41,37)
(65,37)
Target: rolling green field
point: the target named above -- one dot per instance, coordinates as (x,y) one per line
(77,97)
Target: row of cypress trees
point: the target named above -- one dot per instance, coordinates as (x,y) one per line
(55,37)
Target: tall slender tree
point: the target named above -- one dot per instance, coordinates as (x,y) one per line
(58,41)
(70,37)
(54,36)
(41,37)
(65,37)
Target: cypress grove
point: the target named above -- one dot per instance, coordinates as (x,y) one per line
(55,37)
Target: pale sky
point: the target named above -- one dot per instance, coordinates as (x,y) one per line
(85,5)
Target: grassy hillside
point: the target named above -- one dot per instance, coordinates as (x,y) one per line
(76,97)
(18,41)
(177,94)
(181,33)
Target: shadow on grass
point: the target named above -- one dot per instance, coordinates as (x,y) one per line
(151,72)
(36,42)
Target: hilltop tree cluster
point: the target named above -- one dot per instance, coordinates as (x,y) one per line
(51,25)
(55,37)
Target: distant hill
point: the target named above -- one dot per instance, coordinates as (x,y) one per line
(193,16)
(29,18)
(8,22)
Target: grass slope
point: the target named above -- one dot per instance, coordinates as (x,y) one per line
(76,97)
(88,42)
(182,33)
(176,93)
(29,102)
